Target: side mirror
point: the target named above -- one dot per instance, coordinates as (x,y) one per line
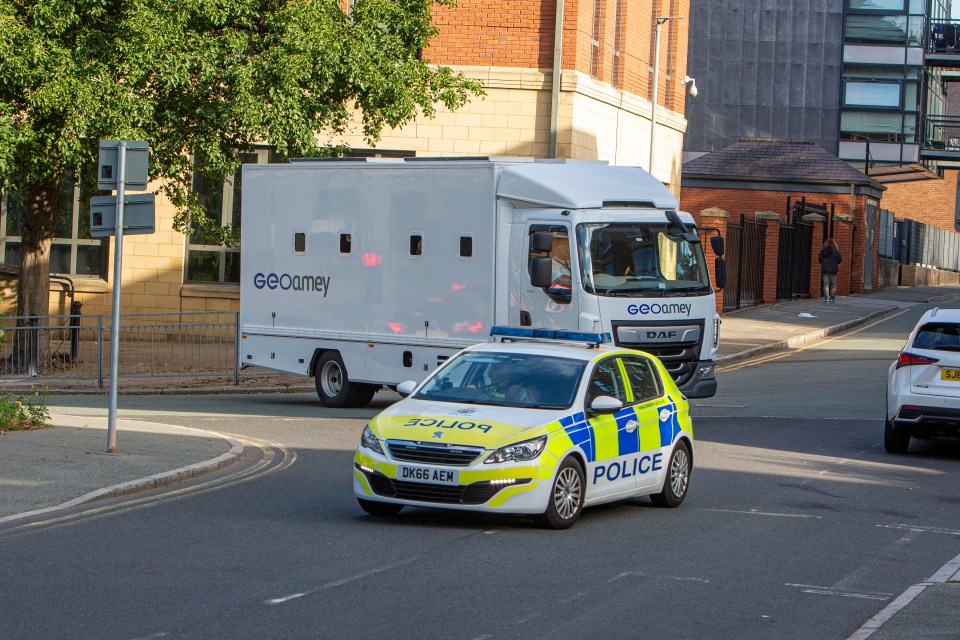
(605,404)
(720,267)
(406,388)
(716,243)
(541,272)
(541,241)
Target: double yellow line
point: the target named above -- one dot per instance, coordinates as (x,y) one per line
(789,352)
(275,458)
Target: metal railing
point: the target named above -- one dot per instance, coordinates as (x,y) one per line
(941,133)
(929,246)
(912,242)
(151,345)
(745,257)
(944,36)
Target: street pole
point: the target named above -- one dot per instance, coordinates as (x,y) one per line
(115,319)
(656,85)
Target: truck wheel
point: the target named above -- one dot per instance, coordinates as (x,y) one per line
(333,385)
(367,391)
(677,482)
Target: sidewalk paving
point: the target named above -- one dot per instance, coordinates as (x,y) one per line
(51,469)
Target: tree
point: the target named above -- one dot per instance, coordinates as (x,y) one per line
(201,81)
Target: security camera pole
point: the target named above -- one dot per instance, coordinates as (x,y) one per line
(656,83)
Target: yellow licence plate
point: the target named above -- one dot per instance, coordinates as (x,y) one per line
(950,374)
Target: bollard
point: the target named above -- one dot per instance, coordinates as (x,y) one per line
(33,345)
(75,329)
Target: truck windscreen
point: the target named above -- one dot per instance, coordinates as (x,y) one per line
(640,259)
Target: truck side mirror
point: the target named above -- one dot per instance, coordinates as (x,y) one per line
(716,243)
(541,272)
(541,241)
(720,267)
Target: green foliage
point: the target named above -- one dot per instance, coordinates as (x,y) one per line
(19,414)
(206,79)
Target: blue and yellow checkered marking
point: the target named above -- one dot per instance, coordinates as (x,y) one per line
(605,437)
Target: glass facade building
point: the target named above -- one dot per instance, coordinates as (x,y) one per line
(869,86)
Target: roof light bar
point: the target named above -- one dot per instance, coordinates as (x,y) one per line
(529,333)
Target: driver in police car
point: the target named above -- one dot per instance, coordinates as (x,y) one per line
(502,385)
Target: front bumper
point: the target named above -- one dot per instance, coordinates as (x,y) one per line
(522,488)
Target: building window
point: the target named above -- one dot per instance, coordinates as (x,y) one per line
(873,94)
(72,252)
(617,71)
(887,6)
(595,59)
(214,263)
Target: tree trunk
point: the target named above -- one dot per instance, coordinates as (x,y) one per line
(33,289)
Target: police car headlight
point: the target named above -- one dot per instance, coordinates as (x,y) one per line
(369,440)
(519,451)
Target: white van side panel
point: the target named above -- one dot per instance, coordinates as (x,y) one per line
(376,290)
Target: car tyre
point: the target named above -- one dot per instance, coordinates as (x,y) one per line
(895,440)
(380,509)
(332,383)
(677,482)
(566,496)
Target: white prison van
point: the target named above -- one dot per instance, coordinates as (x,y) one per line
(368,272)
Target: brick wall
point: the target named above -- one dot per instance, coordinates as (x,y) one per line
(929,201)
(520,33)
(848,231)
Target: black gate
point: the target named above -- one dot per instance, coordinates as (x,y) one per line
(793,263)
(745,250)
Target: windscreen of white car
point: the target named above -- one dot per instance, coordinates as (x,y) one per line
(520,380)
(643,260)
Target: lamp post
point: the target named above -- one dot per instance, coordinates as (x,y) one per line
(656,83)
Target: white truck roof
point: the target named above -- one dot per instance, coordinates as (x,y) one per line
(561,183)
(582,185)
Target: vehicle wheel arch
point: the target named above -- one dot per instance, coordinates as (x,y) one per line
(317,354)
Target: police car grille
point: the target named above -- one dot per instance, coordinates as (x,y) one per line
(433,454)
(475,493)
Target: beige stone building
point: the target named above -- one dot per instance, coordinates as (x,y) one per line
(586,95)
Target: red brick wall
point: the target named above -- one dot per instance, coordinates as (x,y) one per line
(929,201)
(850,236)
(520,33)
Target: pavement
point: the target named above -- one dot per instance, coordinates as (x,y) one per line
(46,470)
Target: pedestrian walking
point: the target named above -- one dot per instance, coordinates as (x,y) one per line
(830,259)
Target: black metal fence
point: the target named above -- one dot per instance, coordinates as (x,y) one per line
(745,254)
(912,242)
(151,345)
(793,260)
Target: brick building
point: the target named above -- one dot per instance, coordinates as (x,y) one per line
(769,181)
(597,107)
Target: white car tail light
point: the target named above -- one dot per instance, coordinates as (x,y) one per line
(908,359)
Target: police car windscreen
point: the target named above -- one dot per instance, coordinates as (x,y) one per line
(506,379)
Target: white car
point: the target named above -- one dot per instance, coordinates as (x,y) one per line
(531,426)
(923,386)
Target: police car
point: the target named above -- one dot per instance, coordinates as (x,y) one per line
(540,423)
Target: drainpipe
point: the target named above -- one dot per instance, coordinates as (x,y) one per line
(555,81)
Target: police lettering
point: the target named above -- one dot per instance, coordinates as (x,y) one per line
(447,424)
(627,468)
(287,282)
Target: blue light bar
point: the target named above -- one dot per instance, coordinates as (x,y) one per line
(591,337)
